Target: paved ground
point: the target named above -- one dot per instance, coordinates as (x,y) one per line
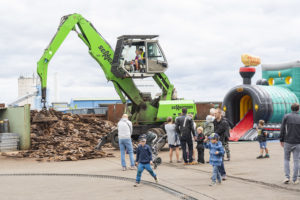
(249,178)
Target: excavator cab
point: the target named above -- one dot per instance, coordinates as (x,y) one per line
(138,56)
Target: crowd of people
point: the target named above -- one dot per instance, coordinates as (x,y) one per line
(213,135)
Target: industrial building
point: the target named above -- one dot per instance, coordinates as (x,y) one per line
(78,103)
(60,106)
(87,105)
(28,92)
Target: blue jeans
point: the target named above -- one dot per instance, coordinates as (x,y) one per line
(140,170)
(222,168)
(288,150)
(216,174)
(126,144)
(263,145)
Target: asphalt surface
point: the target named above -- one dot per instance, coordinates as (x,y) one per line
(248,178)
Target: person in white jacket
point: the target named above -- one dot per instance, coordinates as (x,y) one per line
(125,143)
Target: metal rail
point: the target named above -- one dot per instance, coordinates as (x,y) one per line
(166,189)
(271,185)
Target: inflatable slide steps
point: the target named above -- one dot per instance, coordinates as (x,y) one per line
(250,135)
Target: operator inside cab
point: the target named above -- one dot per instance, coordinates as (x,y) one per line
(138,56)
(142,61)
(139,63)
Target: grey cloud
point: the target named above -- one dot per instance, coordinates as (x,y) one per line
(203,41)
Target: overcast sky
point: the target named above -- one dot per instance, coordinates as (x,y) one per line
(202,40)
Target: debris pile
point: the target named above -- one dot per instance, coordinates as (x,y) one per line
(71,137)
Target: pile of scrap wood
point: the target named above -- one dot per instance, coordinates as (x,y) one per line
(71,137)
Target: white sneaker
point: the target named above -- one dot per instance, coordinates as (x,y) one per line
(124,168)
(224,178)
(136,185)
(296,182)
(286,181)
(212,184)
(132,168)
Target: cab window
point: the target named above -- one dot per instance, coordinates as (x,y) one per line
(154,52)
(128,53)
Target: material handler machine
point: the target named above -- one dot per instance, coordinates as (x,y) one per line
(146,113)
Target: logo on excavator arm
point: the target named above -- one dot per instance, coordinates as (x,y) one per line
(105,54)
(178,107)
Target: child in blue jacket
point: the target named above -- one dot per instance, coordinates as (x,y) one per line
(143,161)
(216,155)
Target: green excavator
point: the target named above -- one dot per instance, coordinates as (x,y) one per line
(120,67)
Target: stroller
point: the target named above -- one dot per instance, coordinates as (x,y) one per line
(153,141)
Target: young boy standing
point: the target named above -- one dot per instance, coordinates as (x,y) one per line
(216,153)
(262,139)
(200,145)
(143,161)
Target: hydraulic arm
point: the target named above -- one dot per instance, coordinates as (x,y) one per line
(142,110)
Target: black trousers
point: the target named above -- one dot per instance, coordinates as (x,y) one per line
(187,142)
(200,149)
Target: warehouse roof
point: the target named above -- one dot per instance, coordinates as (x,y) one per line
(95,99)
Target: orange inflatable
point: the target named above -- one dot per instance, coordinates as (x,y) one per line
(250,60)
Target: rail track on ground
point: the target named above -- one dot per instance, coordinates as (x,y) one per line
(161,187)
(272,186)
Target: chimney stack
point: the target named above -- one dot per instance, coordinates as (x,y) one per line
(248,71)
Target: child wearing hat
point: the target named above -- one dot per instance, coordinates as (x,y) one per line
(143,161)
(216,153)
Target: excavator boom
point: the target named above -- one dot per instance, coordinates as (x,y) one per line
(144,109)
(99,49)
(146,114)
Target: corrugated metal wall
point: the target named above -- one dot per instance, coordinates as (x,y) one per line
(115,112)
(204,107)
